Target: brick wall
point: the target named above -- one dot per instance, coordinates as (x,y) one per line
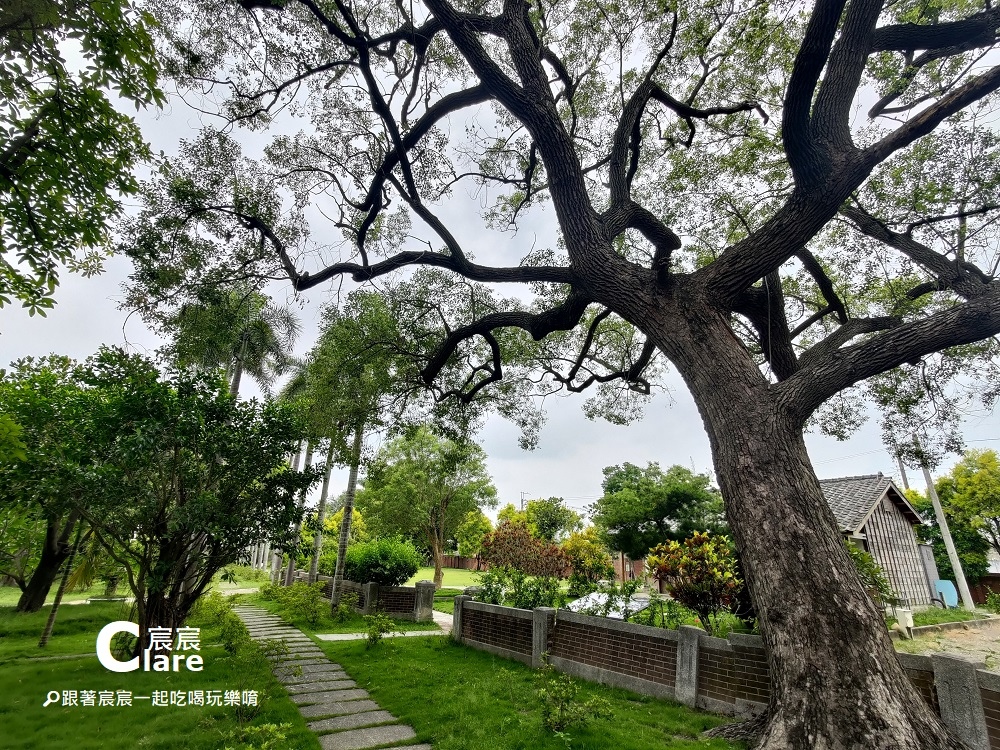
(397,599)
(723,675)
(501,630)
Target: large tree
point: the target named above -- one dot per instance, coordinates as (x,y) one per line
(424,486)
(727,197)
(642,508)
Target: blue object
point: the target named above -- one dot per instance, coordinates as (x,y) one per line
(946,590)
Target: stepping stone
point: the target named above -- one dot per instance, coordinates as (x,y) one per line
(319,687)
(358,739)
(352,721)
(319,710)
(335,675)
(310,668)
(303,657)
(330,696)
(291,663)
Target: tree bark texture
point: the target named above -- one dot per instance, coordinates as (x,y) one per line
(345,524)
(55,550)
(836,683)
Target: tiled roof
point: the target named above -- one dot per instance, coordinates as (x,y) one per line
(851,498)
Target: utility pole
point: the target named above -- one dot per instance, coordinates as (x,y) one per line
(522,499)
(956,564)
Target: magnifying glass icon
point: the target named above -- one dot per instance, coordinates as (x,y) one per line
(52,697)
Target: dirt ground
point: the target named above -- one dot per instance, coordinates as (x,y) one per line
(982,644)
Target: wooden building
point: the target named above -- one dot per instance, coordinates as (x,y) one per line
(875,514)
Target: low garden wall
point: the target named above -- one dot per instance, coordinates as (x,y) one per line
(725,675)
(402,602)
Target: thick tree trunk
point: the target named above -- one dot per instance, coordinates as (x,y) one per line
(836,683)
(321,517)
(345,524)
(55,550)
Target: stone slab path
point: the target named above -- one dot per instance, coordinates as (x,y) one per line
(342,714)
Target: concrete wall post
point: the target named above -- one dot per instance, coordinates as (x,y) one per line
(371,598)
(423,602)
(959,698)
(686,680)
(456,617)
(540,635)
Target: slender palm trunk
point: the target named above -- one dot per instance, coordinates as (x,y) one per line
(276,554)
(345,524)
(50,623)
(321,517)
(290,570)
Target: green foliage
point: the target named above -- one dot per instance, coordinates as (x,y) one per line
(511,587)
(664,612)
(471,532)
(389,561)
(562,709)
(993,602)
(872,576)
(512,545)
(379,625)
(550,519)
(259,737)
(423,486)
(300,600)
(236,329)
(700,573)
(67,153)
(589,559)
(615,597)
(971,544)
(971,492)
(12,448)
(346,607)
(642,507)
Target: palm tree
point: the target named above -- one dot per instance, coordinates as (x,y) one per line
(237,329)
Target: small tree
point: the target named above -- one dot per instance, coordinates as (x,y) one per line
(423,486)
(512,545)
(550,519)
(471,533)
(700,573)
(589,559)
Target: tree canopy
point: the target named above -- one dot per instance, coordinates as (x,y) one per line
(423,486)
(642,508)
(972,493)
(728,199)
(66,152)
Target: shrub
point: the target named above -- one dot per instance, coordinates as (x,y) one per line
(378,626)
(589,559)
(304,600)
(387,562)
(993,602)
(873,578)
(561,708)
(511,545)
(514,588)
(345,609)
(700,573)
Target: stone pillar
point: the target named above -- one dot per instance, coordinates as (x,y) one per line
(540,635)
(423,602)
(371,598)
(959,698)
(456,617)
(686,679)
(266,556)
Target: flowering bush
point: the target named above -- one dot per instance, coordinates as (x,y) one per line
(700,573)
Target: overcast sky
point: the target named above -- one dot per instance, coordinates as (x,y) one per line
(572,449)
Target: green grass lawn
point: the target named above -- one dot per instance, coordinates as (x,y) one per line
(453,578)
(10,594)
(483,702)
(326,624)
(444,600)
(26,679)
